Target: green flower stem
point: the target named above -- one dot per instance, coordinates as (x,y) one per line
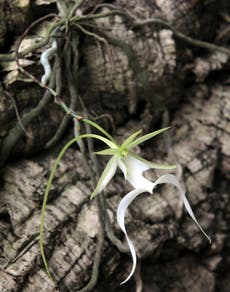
(45,199)
(68,111)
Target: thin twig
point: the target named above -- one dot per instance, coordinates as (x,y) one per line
(75,7)
(101,15)
(97,258)
(137,278)
(135,24)
(16,133)
(192,41)
(59,133)
(65,120)
(73,92)
(101,210)
(17,112)
(121,246)
(33,78)
(108,117)
(114,7)
(127,15)
(42,43)
(91,34)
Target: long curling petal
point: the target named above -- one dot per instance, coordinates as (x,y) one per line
(123,205)
(106,176)
(172,179)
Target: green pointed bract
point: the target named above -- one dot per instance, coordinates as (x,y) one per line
(151,164)
(130,139)
(108,151)
(145,138)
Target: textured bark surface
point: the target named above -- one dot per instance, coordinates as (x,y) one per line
(174,250)
(174,255)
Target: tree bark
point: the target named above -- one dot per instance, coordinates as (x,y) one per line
(172,253)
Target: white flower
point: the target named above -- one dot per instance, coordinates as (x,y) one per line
(127,200)
(133,167)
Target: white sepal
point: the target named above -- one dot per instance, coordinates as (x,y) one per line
(106,176)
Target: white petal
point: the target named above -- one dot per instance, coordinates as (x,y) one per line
(172,179)
(122,167)
(123,205)
(106,176)
(151,164)
(131,161)
(135,168)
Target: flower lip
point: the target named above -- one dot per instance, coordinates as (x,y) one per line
(135,169)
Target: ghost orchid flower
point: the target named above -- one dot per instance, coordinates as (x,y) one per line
(133,167)
(127,200)
(130,164)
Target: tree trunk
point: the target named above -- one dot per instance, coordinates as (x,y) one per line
(142,77)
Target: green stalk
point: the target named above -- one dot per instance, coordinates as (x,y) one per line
(45,199)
